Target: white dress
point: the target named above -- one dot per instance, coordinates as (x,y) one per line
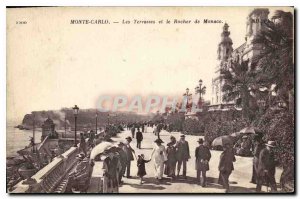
(160,156)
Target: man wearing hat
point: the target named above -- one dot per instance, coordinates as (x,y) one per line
(203,156)
(160,157)
(226,165)
(128,150)
(123,160)
(111,168)
(183,154)
(266,167)
(258,146)
(133,130)
(139,138)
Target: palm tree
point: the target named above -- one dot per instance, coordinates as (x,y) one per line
(238,85)
(276,61)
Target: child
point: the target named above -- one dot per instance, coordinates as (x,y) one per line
(141,167)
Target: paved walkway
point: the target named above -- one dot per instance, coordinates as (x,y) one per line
(239,179)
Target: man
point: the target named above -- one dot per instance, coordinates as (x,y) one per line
(245,146)
(226,165)
(92,139)
(160,157)
(139,138)
(266,167)
(127,148)
(143,127)
(183,154)
(111,168)
(203,156)
(133,130)
(123,160)
(82,145)
(258,146)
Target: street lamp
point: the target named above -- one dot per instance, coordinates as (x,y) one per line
(75,111)
(187,94)
(96,121)
(33,133)
(200,90)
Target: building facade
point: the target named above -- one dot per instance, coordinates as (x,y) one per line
(249,50)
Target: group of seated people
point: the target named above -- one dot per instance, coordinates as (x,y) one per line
(244,146)
(78,179)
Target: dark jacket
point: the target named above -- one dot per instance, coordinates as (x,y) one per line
(171,154)
(266,162)
(111,166)
(141,167)
(123,157)
(183,150)
(202,155)
(226,160)
(128,150)
(139,136)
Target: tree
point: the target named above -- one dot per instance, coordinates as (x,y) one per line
(238,83)
(276,63)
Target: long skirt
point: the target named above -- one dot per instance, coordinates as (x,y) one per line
(159,170)
(170,168)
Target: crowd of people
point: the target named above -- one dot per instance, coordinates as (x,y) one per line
(171,160)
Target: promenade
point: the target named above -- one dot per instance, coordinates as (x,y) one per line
(239,179)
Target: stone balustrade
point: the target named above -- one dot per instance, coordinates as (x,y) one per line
(49,177)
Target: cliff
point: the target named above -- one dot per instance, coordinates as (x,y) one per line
(86,118)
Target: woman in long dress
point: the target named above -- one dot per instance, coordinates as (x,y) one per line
(160,157)
(172,160)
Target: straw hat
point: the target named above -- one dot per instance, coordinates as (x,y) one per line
(271,143)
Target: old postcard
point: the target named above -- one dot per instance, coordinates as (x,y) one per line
(150,100)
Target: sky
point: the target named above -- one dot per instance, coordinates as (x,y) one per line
(53,64)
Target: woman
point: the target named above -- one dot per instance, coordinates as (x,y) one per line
(171,155)
(159,154)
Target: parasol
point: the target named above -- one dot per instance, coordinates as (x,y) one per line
(222,140)
(236,134)
(248,130)
(100,148)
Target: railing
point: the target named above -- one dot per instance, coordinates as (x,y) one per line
(46,179)
(49,177)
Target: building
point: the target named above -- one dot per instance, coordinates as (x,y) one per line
(246,51)
(48,129)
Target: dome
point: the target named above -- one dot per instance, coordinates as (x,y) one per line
(49,121)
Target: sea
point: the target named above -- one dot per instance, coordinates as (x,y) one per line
(17,139)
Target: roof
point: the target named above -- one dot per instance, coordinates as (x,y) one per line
(240,48)
(49,121)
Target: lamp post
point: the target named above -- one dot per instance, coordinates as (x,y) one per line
(65,126)
(200,85)
(201,90)
(33,133)
(96,121)
(187,94)
(75,111)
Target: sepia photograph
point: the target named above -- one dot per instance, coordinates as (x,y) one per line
(150,100)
